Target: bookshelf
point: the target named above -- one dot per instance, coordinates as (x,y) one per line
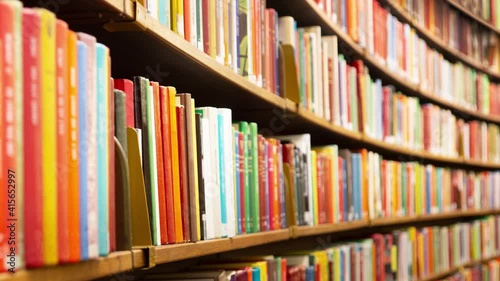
(458,6)
(125,18)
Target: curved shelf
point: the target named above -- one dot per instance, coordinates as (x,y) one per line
(478,19)
(119,262)
(456,269)
(402,14)
(307,12)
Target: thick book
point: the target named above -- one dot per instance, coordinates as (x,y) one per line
(91,145)
(167,163)
(102,56)
(33,200)
(159,163)
(183,169)
(192,165)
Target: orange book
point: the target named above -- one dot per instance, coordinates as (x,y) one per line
(187,20)
(352,20)
(159,163)
(62,140)
(431,250)
(257,35)
(176,191)
(73,164)
(167,162)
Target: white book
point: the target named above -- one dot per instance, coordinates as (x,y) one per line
(92,216)
(315,36)
(193,39)
(199,25)
(343,92)
(286,31)
(152,8)
(154,170)
(228,171)
(219,20)
(369,26)
(303,143)
(208,217)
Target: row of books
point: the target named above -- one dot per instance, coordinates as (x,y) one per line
(405,53)
(488,10)
(488,271)
(458,30)
(321,68)
(405,254)
(240,34)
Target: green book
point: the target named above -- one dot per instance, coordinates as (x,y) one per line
(245,129)
(254,178)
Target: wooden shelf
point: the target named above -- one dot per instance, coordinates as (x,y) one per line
(478,19)
(456,269)
(170,253)
(436,42)
(115,263)
(119,262)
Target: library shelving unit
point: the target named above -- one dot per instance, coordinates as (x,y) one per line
(139,44)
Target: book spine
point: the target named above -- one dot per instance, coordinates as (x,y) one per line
(102,53)
(222,174)
(33,189)
(49,136)
(167,164)
(181,140)
(62,140)
(254,193)
(243,180)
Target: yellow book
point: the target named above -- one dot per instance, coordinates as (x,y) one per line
(321,258)
(337,264)
(195,159)
(314,187)
(225,5)
(213,28)
(49,149)
(177,16)
(179,237)
(420,258)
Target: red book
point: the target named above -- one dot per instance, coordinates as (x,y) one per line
(277,185)
(62,140)
(241,152)
(206,26)
(167,164)
(271,182)
(426,109)
(358,64)
(159,163)
(268,62)
(378,241)
(256,27)
(127,87)
(183,176)
(383,169)
(262,183)
(329,190)
(341,190)
(32,131)
(187,20)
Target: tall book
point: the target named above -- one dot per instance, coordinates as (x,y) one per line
(91,145)
(183,169)
(62,128)
(33,207)
(103,163)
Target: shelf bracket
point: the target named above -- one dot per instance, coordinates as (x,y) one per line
(149,256)
(137,24)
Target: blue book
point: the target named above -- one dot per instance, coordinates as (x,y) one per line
(82,148)
(222,176)
(255,274)
(342,262)
(310,273)
(237,180)
(356,186)
(102,57)
(344,192)
(162,12)
(428,190)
